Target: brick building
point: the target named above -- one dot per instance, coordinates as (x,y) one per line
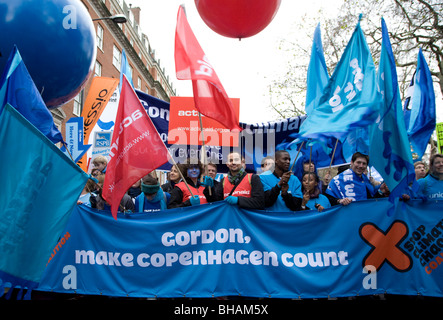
(112,38)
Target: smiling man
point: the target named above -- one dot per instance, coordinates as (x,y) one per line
(431,186)
(238,187)
(352,184)
(274,181)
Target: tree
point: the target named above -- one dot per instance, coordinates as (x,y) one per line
(411,24)
(423,26)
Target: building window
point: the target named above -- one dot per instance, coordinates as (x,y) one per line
(116,57)
(100,37)
(139,83)
(98,69)
(131,70)
(78,104)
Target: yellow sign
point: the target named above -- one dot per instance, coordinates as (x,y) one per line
(439,130)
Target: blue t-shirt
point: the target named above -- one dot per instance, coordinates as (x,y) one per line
(321,200)
(430,187)
(270,180)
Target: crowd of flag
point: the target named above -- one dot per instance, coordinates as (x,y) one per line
(355,101)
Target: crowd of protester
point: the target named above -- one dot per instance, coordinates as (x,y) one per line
(275,188)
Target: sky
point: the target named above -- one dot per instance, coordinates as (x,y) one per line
(245,68)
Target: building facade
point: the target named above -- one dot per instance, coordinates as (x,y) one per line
(111,39)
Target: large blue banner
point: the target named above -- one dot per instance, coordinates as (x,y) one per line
(220,250)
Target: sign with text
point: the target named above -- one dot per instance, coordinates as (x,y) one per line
(216,249)
(439,130)
(74,139)
(184,125)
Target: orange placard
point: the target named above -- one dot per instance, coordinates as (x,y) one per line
(100,91)
(184,125)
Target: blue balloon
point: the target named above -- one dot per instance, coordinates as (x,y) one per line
(56,40)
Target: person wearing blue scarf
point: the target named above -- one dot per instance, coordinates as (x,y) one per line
(352,184)
(152,198)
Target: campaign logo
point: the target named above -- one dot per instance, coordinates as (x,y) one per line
(426,246)
(102,139)
(385,246)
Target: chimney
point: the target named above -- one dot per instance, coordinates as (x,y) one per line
(136,13)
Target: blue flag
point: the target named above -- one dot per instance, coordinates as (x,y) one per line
(18,89)
(40,187)
(318,76)
(351,96)
(419,111)
(389,146)
(356,141)
(319,154)
(125,69)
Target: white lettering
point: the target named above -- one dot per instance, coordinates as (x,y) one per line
(205,67)
(184,238)
(370,281)
(69,281)
(314,259)
(70,21)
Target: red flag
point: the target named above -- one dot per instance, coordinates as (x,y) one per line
(133,131)
(191,63)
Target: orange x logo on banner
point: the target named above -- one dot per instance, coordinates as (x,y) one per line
(385,246)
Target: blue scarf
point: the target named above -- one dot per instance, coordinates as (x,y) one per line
(158,202)
(349,185)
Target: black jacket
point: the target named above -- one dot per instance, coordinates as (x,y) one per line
(256,201)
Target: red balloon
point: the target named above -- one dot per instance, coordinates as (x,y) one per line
(237,18)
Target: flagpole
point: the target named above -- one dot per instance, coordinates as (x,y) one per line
(67,149)
(333,154)
(310,161)
(203,151)
(332,158)
(180,172)
(301,146)
(310,157)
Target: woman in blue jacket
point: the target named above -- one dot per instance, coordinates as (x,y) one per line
(312,197)
(431,186)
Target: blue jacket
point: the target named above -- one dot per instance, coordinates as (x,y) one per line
(270,180)
(430,187)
